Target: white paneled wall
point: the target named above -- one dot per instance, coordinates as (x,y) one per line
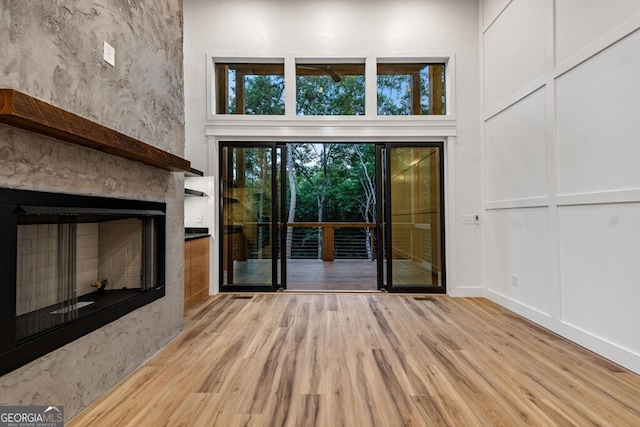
(600,271)
(516,151)
(514,51)
(518,262)
(581,23)
(491,10)
(561,176)
(598,110)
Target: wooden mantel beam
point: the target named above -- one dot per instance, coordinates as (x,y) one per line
(26,112)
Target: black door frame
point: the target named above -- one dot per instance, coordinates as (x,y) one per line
(384,232)
(278,263)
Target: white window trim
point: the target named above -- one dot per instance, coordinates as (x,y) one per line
(453,289)
(371,93)
(367,128)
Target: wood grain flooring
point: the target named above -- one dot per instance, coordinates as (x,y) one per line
(367,360)
(339,275)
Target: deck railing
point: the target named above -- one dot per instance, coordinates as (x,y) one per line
(336,240)
(307,240)
(327,241)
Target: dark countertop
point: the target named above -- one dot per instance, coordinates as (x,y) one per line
(196,233)
(194,236)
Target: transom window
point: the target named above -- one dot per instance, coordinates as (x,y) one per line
(250,89)
(330,89)
(411,89)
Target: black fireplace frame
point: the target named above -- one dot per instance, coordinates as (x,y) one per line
(15,354)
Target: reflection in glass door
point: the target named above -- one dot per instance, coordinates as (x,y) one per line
(249,209)
(412,217)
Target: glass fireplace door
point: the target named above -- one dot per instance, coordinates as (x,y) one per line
(72,264)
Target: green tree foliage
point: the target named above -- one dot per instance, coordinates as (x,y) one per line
(328,177)
(337,170)
(322,96)
(257,182)
(395,94)
(263,95)
(332,182)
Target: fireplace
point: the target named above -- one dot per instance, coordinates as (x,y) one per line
(70,265)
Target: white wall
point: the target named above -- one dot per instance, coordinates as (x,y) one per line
(561,175)
(350,29)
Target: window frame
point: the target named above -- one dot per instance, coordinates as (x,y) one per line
(413,70)
(328,67)
(371,111)
(222,84)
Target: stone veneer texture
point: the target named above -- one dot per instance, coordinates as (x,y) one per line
(52,50)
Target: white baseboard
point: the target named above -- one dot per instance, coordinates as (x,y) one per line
(598,345)
(467,292)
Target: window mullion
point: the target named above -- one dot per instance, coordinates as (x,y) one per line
(290,87)
(371,87)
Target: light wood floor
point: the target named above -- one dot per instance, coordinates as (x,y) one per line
(367,360)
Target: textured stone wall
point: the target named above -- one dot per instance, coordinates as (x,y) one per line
(52,50)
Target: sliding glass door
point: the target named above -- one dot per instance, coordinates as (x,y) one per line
(250,175)
(407,245)
(410,188)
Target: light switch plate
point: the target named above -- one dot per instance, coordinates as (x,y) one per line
(468,219)
(109,54)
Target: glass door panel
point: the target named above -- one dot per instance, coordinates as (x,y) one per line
(249,212)
(381,224)
(413,226)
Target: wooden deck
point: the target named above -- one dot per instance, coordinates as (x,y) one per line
(338,275)
(367,360)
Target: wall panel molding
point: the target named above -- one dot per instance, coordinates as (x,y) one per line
(516,98)
(599,46)
(613,340)
(487,23)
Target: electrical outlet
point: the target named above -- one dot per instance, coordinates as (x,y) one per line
(514,280)
(109,54)
(199,218)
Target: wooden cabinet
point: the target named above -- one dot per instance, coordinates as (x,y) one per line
(196,271)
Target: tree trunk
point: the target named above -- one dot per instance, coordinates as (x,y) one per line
(368,205)
(292,201)
(323,194)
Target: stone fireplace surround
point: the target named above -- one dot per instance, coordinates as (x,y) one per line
(41,158)
(53,52)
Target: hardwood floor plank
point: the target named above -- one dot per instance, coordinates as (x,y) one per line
(210,412)
(186,411)
(309,410)
(367,360)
